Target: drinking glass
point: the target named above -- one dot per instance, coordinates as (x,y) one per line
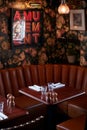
(1,106)
(43,91)
(50,87)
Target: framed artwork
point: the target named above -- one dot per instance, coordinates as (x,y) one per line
(26,27)
(77,19)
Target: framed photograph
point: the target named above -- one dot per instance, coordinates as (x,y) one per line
(26,27)
(77,19)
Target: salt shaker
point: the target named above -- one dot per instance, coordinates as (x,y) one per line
(10,102)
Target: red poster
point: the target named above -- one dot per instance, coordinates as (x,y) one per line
(26,27)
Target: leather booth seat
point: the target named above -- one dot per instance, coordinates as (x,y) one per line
(77,106)
(13,79)
(77,123)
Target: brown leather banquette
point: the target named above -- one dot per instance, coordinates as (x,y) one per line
(13,79)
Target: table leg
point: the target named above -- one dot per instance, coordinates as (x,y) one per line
(51,117)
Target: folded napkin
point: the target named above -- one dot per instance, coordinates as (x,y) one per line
(3,116)
(35,87)
(57,85)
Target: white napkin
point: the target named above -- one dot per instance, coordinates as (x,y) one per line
(57,85)
(3,116)
(35,87)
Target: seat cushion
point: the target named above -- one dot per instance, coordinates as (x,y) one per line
(73,124)
(77,106)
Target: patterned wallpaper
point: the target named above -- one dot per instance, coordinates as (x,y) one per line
(54,46)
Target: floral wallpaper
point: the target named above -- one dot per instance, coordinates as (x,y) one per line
(83,50)
(56,35)
(12,57)
(76,40)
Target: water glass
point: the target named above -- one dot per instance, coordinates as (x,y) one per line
(43,91)
(50,87)
(1,106)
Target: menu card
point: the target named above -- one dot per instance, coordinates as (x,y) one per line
(35,87)
(3,116)
(57,85)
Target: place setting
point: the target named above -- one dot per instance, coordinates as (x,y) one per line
(35,87)
(53,86)
(48,93)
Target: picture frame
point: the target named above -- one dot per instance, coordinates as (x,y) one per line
(26,27)
(77,19)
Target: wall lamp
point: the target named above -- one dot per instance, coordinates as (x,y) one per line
(63,8)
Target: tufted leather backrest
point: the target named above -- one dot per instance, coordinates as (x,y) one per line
(70,75)
(6,81)
(34,74)
(57,72)
(20,77)
(13,79)
(41,74)
(79,77)
(49,73)
(84,82)
(65,75)
(2,90)
(27,75)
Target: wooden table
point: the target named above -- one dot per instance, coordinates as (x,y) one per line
(16,112)
(14,116)
(63,94)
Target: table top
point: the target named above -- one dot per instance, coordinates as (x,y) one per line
(63,94)
(15,112)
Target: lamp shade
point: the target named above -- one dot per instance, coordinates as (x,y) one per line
(63,8)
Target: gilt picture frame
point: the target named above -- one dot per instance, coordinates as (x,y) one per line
(77,19)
